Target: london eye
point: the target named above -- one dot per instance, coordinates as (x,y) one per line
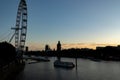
(21,26)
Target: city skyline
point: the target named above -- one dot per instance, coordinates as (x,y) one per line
(76,23)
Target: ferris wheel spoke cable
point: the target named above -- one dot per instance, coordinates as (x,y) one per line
(5,37)
(4,33)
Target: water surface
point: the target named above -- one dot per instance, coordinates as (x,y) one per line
(86,70)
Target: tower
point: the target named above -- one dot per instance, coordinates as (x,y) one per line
(59,46)
(58,50)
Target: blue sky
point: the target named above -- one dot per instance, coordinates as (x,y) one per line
(70,21)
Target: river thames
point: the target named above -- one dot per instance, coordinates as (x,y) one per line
(86,70)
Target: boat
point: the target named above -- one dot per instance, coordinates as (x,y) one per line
(59,63)
(94,59)
(45,59)
(37,58)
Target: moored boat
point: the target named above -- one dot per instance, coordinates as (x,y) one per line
(58,63)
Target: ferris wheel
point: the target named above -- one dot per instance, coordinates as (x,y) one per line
(21,26)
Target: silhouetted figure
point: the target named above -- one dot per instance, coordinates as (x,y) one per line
(58,50)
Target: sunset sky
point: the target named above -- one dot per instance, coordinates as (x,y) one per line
(76,23)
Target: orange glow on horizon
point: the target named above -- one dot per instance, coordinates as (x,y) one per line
(86,45)
(37,46)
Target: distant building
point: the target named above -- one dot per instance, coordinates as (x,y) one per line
(58,50)
(26,49)
(47,48)
(98,48)
(59,46)
(118,47)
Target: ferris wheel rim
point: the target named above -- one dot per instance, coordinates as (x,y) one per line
(21,26)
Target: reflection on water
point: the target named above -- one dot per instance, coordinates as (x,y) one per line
(87,70)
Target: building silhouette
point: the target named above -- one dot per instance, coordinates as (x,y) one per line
(58,50)
(58,46)
(47,48)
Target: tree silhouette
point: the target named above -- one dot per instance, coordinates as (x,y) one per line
(7,53)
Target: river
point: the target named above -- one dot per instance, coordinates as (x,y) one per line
(86,70)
